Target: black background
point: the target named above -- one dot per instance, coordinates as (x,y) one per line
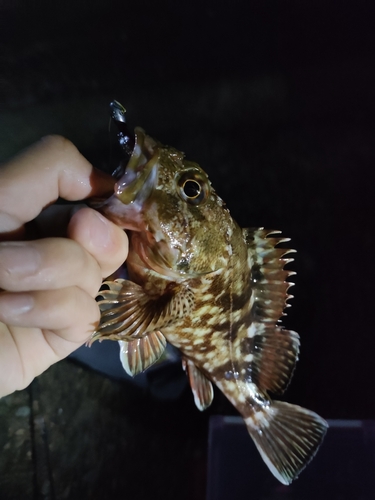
(274,99)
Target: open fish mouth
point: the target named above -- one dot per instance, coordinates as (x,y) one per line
(125,207)
(141,172)
(140,175)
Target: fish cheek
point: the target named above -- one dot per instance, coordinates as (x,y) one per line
(208,248)
(164,217)
(168,205)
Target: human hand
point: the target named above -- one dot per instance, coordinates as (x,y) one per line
(48,285)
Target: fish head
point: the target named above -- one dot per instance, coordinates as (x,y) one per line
(179,225)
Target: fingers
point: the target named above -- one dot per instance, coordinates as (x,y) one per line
(47,264)
(106,242)
(95,249)
(50,169)
(47,286)
(70,312)
(40,328)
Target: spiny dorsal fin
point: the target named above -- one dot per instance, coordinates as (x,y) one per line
(266,354)
(127,312)
(269,356)
(201,387)
(268,276)
(139,354)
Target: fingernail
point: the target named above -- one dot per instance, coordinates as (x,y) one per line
(100,233)
(14,304)
(18,258)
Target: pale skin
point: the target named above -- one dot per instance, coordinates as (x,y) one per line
(48,284)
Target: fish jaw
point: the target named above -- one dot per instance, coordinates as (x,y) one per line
(127,217)
(140,175)
(126,206)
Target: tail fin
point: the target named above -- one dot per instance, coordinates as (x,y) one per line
(287,437)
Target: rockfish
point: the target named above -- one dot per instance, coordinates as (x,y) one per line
(213,290)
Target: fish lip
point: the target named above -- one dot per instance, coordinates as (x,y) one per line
(126,205)
(140,175)
(136,191)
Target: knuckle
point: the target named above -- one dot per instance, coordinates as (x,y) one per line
(57,143)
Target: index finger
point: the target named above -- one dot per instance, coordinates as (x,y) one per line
(50,169)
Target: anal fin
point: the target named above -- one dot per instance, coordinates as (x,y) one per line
(201,387)
(139,354)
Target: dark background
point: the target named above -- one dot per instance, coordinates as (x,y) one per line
(274,99)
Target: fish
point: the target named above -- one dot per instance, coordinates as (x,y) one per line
(213,290)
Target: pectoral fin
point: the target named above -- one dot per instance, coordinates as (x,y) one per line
(139,354)
(200,385)
(128,313)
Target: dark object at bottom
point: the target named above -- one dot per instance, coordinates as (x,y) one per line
(165,381)
(343,468)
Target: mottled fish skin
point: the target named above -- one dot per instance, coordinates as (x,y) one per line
(214,291)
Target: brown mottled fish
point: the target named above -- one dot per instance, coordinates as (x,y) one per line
(213,290)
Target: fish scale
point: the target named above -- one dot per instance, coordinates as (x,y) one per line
(213,290)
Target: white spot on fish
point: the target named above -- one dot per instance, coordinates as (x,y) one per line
(236,315)
(231,385)
(220,295)
(252,389)
(250,423)
(251,331)
(188,330)
(212,321)
(206,281)
(260,418)
(204,310)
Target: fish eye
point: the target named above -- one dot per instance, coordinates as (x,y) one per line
(193,187)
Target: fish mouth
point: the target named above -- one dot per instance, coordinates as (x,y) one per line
(140,175)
